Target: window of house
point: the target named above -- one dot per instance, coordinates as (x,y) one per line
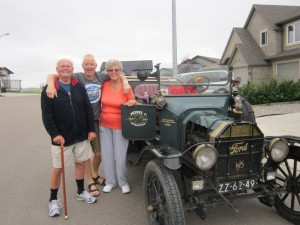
(263,38)
(293,32)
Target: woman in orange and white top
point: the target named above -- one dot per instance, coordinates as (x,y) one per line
(113,144)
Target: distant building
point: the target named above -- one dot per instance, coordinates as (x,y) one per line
(6,84)
(196,63)
(166,72)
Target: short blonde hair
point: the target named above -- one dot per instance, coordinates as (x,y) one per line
(113,62)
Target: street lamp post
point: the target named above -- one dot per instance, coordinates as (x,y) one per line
(174,38)
(4,35)
(1,79)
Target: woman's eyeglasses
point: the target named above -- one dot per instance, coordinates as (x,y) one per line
(116,70)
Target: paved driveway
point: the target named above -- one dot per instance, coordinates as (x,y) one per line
(25,170)
(288,124)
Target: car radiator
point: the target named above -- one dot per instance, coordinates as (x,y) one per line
(240,149)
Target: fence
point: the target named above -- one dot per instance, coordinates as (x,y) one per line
(11,85)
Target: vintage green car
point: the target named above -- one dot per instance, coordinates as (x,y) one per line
(202,147)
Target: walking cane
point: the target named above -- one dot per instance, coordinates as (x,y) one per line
(63,179)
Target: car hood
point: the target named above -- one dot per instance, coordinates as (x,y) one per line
(208,104)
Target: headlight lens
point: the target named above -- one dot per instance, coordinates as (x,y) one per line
(205,156)
(279,149)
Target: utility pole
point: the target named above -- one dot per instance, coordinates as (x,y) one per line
(174,38)
(1,78)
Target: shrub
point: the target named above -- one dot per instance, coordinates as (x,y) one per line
(271,91)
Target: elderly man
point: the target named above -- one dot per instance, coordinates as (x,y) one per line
(69,120)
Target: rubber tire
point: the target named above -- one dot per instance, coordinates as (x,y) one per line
(169,204)
(283,209)
(247,111)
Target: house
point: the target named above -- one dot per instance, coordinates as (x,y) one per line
(132,67)
(268,46)
(6,84)
(196,63)
(166,72)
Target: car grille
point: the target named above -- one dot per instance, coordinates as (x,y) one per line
(240,148)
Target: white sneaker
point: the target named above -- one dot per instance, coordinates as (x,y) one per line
(125,189)
(54,207)
(87,197)
(108,188)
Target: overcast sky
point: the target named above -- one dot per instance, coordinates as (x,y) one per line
(43,31)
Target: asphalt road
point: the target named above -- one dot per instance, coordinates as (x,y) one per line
(25,170)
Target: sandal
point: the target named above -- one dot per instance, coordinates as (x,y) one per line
(93,190)
(96,180)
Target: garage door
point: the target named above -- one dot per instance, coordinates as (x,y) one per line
(288,71)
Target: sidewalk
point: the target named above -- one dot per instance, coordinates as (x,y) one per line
(288,124)
(276,108)
(278,119)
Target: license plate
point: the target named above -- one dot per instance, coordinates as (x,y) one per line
(239,185)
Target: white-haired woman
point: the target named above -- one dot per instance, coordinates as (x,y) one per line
(113,144)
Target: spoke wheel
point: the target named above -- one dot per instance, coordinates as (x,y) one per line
(162,198)
(288,176)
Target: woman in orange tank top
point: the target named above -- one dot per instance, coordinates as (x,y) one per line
(113,144)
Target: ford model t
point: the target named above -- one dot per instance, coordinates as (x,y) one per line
(202,147)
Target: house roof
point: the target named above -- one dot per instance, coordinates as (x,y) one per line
(191,61)
(275,14)
(286,54)
(249,49)
(213,60)
(130,66)
(8,71)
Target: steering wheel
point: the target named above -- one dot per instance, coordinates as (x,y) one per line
(197,89)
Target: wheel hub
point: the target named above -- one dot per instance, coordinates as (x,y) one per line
(293,185)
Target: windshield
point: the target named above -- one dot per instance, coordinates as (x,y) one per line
(204,82)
